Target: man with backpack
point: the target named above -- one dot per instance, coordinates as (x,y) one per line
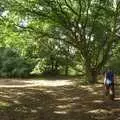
(109,84)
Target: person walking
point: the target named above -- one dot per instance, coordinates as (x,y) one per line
(109,84)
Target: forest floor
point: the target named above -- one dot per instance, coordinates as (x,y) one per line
(56,100)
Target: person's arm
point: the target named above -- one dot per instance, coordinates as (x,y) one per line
(105,78)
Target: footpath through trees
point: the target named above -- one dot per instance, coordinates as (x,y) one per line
(55,100)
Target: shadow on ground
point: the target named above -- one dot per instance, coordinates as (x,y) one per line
(65,102)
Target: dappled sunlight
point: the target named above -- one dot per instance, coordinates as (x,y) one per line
(98,85)
(63,106)
(94,93)
(51,83)
(22,109)
(4,104)
(99,111)
(34,111)
(88,88)
(101,114)
(20,93)
(16,102)
(33,83)
(68,99)
(56,99)
(117,99)
(49,91)
(93,89)
(6,96)
(98,101)
(39,108)
(60,112)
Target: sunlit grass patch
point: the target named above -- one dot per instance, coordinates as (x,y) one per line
(4,104)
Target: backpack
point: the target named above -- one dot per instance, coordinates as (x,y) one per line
(108,81)
(109,78)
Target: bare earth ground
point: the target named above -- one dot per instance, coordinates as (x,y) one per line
(56,100)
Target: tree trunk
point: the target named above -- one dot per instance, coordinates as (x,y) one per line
(52,63)
(91,76)
(67,61)
(56,66)
(66,70)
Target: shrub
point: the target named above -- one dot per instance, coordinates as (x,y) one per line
(13,65)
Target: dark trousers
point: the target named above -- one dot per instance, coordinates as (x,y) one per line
(110,88)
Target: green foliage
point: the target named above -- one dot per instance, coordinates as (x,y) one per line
(89,26)
(114,60)
(12,65)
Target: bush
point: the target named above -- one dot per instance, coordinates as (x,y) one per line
(13,65)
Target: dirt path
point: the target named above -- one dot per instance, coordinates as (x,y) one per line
(55,100)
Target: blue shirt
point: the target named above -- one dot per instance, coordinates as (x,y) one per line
(110,76)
